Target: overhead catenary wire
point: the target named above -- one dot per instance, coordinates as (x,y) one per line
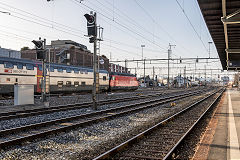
(124,26)
(199,37)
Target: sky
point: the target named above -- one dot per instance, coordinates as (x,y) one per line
(127,24)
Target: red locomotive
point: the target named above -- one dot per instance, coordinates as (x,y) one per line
(123,81)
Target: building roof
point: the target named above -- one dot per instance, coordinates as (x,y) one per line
(223,21)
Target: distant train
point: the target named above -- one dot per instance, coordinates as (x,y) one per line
(60,78)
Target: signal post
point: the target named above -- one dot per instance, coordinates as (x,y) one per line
(92,33)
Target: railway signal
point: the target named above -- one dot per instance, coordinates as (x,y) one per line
(39,44)
(91,25)
(92,33)
(41,55)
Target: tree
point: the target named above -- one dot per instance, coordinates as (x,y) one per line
(24,48)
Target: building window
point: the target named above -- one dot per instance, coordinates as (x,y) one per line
(29,67)
(76,84)
(104,78)
(60,84)
(19,66)
(83,83)
(68,83)
(8,65)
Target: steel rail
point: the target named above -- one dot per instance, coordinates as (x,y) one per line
(139,136)
(108,113)
(39,111)
(168,156)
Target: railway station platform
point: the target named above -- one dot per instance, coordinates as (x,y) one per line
(222,137)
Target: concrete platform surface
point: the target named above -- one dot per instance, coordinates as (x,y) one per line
(225,142)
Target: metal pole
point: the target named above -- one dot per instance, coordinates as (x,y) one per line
(185,85)
(44,72)
(49,62)
(94,75)
(168,69)
(195,71)
(42,84)
(209,48)
(125,65)
(144,72)
(205,76)
(94,69)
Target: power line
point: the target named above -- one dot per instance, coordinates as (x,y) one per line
(199,37)
(44,20)
(127,28)
(149,15)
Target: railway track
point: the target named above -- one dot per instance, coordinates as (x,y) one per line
(30,132)
(44,110)
(39,111)
(159,141)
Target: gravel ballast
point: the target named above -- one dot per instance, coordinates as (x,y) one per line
(88,142)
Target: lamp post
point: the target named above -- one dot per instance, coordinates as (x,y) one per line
(209,43)
(143,64)
(142,50)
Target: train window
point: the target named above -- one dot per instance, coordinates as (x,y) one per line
(60,84)
(104,78)
(8,79)
(60,70)
(19,66)
(29,67)
(76,84)
(68,70)
(86,72)
(81,71)
(51,69)
(8,65)
(76,71)
(83,83)
(68,83)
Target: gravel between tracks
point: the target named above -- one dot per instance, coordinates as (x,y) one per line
(85,143)
(71,99)
(7,124)
(187,148)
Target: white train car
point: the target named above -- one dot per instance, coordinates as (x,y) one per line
(63,78)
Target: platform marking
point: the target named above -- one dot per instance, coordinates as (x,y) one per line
(234,145)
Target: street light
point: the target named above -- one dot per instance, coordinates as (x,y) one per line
(142,50)
(209,43)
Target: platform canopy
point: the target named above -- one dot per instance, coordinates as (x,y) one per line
(223,21)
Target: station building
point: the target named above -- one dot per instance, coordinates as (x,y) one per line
(9,53)
(68,52)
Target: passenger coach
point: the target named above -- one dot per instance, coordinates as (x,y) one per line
(64,78)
